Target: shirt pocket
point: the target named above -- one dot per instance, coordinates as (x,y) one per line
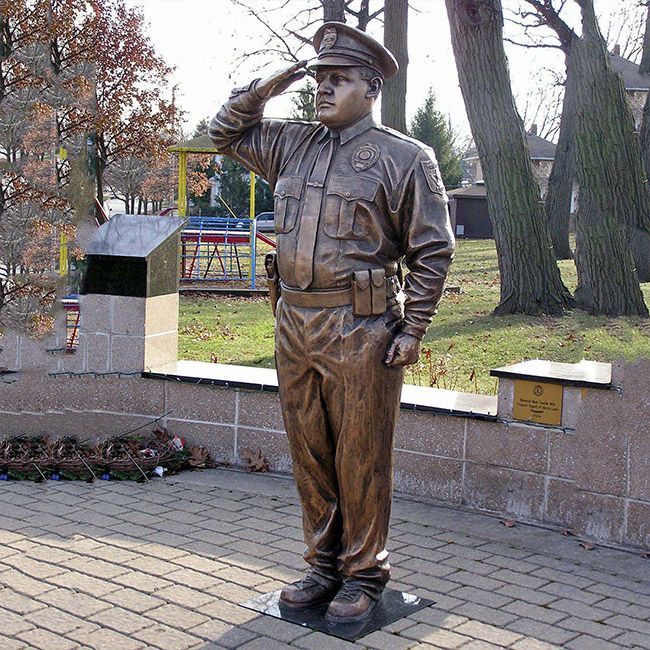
(288,191)
(346,208)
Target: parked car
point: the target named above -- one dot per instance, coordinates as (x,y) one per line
(265,222)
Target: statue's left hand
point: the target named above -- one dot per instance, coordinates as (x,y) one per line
(403,350)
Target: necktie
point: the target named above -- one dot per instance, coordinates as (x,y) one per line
(304,265)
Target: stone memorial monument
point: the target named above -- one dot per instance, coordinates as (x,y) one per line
(353,200)
(129,301)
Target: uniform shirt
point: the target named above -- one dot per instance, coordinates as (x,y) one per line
(381,199)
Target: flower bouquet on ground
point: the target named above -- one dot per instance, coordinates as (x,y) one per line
(128,457)
(24,458)
(69,460)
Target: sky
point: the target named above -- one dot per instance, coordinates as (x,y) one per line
(203,38)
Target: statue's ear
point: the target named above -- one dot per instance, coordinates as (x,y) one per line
(374,87)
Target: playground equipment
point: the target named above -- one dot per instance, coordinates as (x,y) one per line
(218,249)
(71,308)
(215,249)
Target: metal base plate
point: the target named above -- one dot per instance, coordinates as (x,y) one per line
(392,606)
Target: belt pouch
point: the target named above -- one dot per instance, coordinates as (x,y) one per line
(361,294)
(271,265)
(378,290)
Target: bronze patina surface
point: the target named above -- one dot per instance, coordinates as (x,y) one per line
(353,200)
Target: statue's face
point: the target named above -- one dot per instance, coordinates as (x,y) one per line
(342,96)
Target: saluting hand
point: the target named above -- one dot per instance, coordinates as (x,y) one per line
(278,82)
(403,350)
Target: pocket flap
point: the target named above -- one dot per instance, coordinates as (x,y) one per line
(288,186)
(353,188)
(377,276)
(362,279)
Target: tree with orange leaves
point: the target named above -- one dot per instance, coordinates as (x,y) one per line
(134,118)
(81,87)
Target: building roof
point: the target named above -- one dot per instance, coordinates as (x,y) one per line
(538,148)
(630,73)
(201,144)
(472,192)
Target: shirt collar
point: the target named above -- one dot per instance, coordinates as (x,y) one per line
(352,131)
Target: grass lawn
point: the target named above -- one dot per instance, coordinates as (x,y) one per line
(462,344)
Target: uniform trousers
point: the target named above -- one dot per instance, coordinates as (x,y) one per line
(340,403)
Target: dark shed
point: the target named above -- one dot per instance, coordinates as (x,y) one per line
(469,212)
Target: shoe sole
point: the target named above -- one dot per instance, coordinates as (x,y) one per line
(332,618)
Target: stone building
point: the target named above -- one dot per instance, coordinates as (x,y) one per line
(542,153)
(468,205)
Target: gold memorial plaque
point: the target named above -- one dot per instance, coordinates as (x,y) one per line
(538,402)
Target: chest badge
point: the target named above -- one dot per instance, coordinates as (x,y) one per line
(365,157)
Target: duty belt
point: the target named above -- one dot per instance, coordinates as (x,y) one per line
(314,298)
(368,294)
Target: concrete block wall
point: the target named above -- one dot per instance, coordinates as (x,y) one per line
(593,478)
(591,475)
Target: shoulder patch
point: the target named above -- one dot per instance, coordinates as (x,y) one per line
(432,174)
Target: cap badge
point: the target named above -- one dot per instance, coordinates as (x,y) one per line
(365,157)
(329,38)
(432,174)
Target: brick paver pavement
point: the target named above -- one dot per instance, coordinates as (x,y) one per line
(117,566)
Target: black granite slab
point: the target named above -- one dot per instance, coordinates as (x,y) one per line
(586,374)
(130,235)
(392,606)
(135,256)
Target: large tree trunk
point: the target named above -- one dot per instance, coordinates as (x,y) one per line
(530,278)
(333,10)
(613,197)
(560,182)
(393,100)
(97,167)
(363,15)
(644,137)
(644,66)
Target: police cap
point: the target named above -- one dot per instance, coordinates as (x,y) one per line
(338,44)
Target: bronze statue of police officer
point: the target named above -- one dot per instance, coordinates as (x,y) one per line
(353,200)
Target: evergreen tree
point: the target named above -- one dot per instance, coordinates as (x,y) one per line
(303,103)
(235,191)
(201,128)
(234,188)
(432,127)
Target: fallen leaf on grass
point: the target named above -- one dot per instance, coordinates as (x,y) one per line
(255,461)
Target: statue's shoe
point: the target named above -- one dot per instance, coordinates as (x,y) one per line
(351,604)
(308,592)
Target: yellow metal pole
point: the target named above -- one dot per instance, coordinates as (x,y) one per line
(63,254)
(251,214)
(182,184)
(251,211)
